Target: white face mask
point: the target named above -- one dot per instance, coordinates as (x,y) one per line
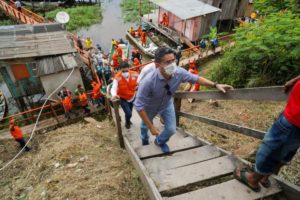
(125,74)
(171,68)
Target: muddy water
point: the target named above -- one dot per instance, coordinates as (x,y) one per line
(112,25)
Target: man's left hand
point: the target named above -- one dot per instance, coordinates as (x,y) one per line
(223,87)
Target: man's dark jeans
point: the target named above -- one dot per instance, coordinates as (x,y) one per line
(22,143)
(127,108)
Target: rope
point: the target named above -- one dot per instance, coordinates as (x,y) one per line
(37,120)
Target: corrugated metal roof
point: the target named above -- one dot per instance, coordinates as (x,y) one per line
(29,41)
(186,9)
(55,64)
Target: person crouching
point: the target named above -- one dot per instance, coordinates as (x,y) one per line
(17,134)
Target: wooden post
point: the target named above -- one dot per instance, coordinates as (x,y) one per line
(54,113)
(107,106)
(118,123)
(177,105)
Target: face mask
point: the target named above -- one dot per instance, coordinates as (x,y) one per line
(125,74)
(171,68)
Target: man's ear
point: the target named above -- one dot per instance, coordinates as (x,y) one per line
(157,65)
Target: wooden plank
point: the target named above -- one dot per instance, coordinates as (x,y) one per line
(260,94)
(181,158)
(178,145)
(232,127)
(145,178)
(230,190)
(291,191)
(179,177)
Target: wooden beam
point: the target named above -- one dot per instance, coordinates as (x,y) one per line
(152,190)
(232,127)
(259,94)
(177,105)
(118,123)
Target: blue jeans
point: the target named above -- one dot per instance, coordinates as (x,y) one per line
(279,146)
(127,108)
(169,118)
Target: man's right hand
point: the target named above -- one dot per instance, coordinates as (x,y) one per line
(154,130)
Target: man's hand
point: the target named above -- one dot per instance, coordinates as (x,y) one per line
(115,97)
(223,88)
(289,85)
(154,130)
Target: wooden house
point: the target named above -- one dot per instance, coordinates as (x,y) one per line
(231,9)
(28,60)
(190,19)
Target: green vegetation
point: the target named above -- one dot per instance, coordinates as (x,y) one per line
(266,52)
(6,22)
(80,16)
(266,7)
(130,9)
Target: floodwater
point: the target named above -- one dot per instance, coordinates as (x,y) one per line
(111,27)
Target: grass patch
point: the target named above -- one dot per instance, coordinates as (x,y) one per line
(7,22)
(130,9)
(80,16)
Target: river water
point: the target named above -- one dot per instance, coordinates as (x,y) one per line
(111,27)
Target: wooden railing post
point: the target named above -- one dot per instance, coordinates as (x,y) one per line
(54,113)
(177,105)
(118,123)
(107,106)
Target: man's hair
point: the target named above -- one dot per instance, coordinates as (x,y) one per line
(124,65)
(161,52)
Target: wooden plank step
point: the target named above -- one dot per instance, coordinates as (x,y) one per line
(182,158)
(175,145)
(182,176)
(230,190)
(133,136)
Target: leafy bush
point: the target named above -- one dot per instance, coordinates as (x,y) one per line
(266,7)
(265,53)
(80,16)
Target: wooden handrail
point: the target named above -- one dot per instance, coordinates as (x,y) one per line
(274,93)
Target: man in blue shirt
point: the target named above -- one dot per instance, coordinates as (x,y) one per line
(154,96)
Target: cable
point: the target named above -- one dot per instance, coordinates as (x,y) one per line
(37,120)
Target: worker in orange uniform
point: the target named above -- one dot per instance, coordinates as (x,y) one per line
(83,101)
(139,31)
(144,39)
(97,96)
(17,134)
(115,61)
(124,88)
(67,104)
(193,69)
(136,62)
(165,20)
(119,51)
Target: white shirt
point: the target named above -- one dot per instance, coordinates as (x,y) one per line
(146,70)
(114,89)
(18,4)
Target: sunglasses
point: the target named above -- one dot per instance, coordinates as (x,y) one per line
(167,87)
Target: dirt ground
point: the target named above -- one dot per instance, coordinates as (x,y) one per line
(257,115)
(79,161)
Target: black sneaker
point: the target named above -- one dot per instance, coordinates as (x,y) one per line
(127,125)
